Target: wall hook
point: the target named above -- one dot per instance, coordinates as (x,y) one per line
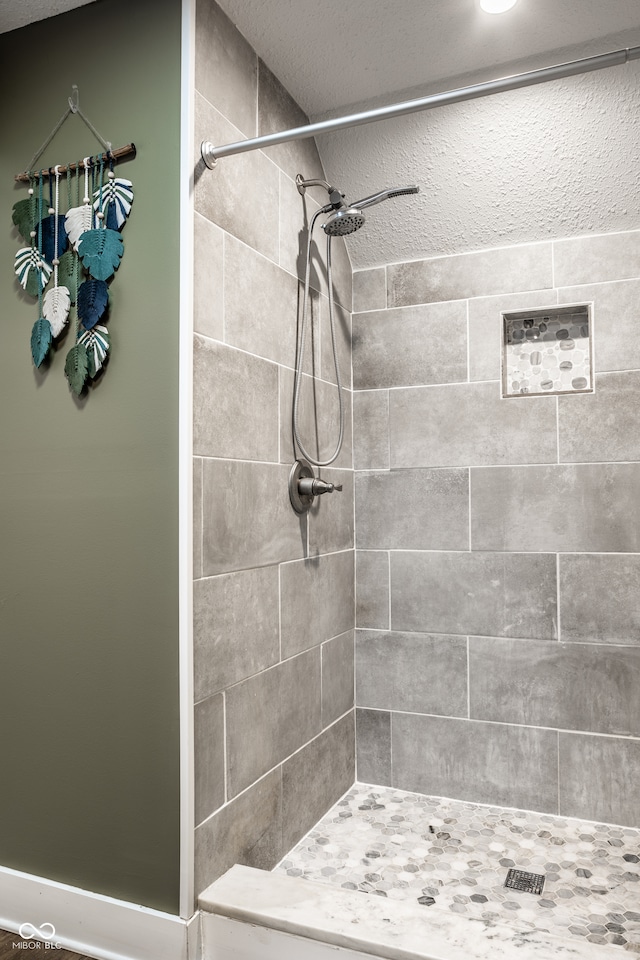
(74,99)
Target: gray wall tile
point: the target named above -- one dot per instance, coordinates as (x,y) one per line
(277,111)
(469,423)
(616,313)
(208,271)
(342,326)
(331,518)
(319,422)
(197,517)
(596,259)
(370,289)
(316,600)
(582,508)
(481,274)
(413,510)
(481,762)
(518,681)
(413,672)
(248,831)
(293,226)
(315,778)
(337,677)
(599,598)
(342,273)
(254,285)
(270,716)
(410,346)
(603,425)
(485,329)
(226,67)
(372,589)
(209,756)
(482,594)
(599,778)
(236,628)
(236,402)
(248,519)
(371,430)
(373,747)
(231,195)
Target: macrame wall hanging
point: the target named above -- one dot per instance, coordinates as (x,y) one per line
(71,257)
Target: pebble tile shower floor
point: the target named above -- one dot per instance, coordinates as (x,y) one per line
(455,855)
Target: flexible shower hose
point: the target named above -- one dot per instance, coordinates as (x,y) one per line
(300,355)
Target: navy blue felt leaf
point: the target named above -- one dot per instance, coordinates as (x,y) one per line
(40,340)
(93,296)
(48,236)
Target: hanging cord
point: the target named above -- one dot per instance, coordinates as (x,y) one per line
(299,360)
(73,108)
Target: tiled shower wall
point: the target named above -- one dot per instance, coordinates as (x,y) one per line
(273,594)
(498,541)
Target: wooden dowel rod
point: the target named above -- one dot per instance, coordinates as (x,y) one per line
(127,151)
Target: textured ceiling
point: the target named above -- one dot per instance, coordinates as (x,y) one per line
(18,13)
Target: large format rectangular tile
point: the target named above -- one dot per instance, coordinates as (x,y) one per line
(469,424)
(316,600)
(235,628)
(318,420)
(369,289)
(373,746)
(247,516)
(485,328)
(481,762)
(197,518)
(208,273)
(616,313)
(372,589)
(478,594)
(371,430)
(526,682)
(584,508)
(599,597)
(248,830)
(614,256)
(331,518)
(337,677)
(603,425)
(413,672)
(270,716)
(277,110)
(315,778)
(209,756)
(413,510)
(599,778)
(410,346)
(260,304)
(481,274)
(235,401)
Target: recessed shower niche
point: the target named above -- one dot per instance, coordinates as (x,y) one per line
(547,351)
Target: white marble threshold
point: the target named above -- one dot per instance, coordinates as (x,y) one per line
(379,927)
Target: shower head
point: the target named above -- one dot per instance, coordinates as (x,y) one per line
(347,219)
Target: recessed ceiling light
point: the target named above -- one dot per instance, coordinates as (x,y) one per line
(497,6)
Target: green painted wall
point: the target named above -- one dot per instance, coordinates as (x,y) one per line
(89,719)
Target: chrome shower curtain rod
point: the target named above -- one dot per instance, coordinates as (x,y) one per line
(211,153)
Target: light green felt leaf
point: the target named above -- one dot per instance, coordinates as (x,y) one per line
(66,274)
(101,251)
(23,219)
(76,367)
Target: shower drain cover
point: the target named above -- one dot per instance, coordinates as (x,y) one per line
(527,882)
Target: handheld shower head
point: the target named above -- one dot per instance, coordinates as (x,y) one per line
(385,195)
(347,219)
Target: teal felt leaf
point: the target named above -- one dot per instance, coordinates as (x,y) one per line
(93,296)
(96,342)
(40,340)
(66,274)
(31,270)
(25,216)
(76,367)
(101,252)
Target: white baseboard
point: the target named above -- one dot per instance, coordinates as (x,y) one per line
(90,923)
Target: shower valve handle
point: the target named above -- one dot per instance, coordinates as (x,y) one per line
(314,487)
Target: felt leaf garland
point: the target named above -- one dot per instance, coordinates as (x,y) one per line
(77,221)
(55,308)
(31,270)
(93,296)
(76,367)
(96,342)
(101,252)
(25,216)
(114,200)
(67,274)
(48,236)
(40,340)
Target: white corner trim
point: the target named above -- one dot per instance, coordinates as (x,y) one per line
(91,923)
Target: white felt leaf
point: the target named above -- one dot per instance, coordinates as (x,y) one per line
(96,342)
(31,270)
(77,220)
(55,308)
(117,195)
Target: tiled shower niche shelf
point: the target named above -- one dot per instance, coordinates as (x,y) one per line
(547,351)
